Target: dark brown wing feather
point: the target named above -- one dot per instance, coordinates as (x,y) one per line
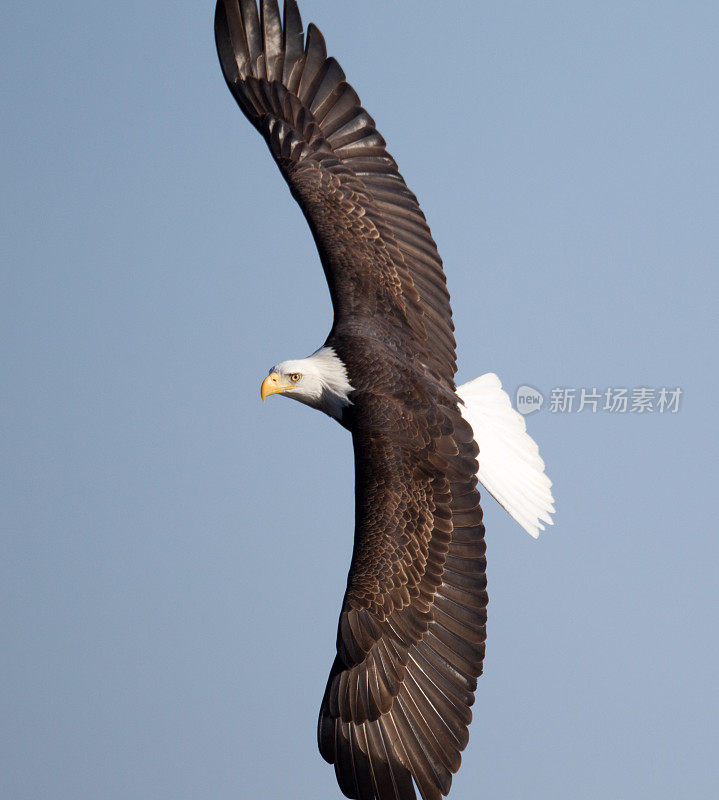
(411,634)
(410,640)
(331,154)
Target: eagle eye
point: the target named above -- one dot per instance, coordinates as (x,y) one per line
(295,376)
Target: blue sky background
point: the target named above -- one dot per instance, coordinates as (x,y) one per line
(174,554)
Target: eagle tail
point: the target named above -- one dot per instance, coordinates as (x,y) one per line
(510,467)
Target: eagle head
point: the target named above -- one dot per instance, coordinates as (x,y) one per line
(319,381)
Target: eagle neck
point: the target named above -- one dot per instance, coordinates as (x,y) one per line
(335,383)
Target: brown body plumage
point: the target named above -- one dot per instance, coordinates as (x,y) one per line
(411,634)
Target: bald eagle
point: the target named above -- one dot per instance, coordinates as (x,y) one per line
(410,640)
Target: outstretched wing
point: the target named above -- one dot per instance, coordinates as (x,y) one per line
(376,249)
(410,642)
(411,635)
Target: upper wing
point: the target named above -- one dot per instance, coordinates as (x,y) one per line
(411,635)
(377,251)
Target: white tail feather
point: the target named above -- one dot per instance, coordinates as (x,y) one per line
(510,467)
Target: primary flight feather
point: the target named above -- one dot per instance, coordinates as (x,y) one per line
(410,640)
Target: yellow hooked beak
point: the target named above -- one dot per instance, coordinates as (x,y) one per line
(271,385)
